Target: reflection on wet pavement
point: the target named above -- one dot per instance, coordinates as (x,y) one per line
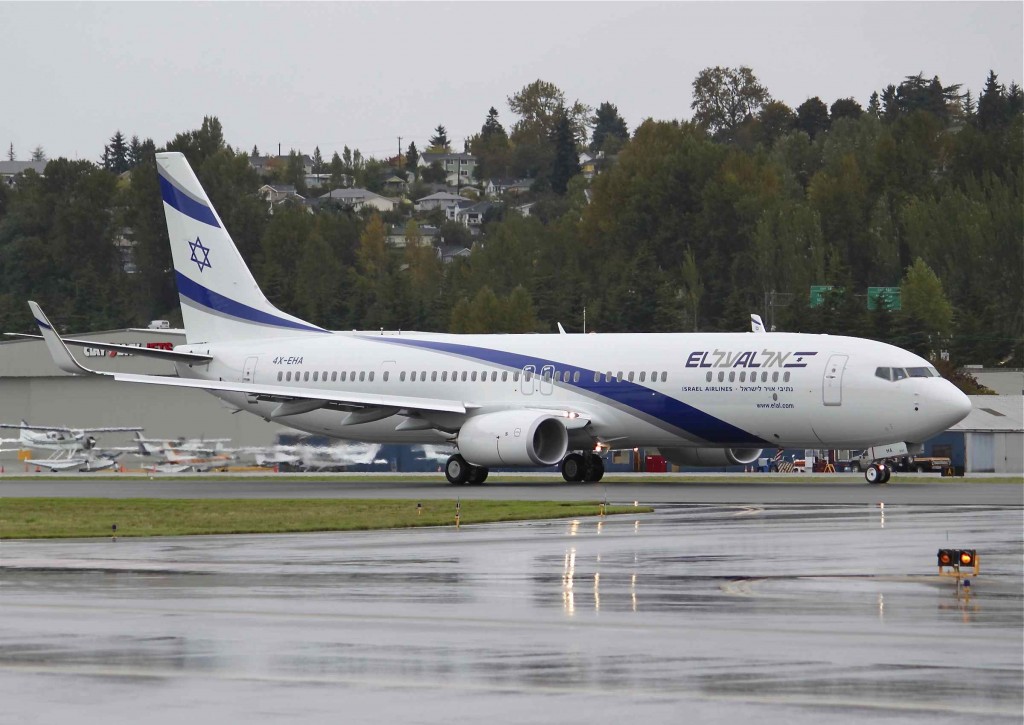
(784,613)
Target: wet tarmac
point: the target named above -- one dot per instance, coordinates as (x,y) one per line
(783,613)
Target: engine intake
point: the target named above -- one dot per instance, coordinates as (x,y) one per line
(513,438)
(711,456)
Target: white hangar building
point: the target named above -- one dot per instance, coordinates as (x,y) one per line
(33,389)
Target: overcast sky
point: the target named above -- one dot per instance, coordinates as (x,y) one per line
(363,74)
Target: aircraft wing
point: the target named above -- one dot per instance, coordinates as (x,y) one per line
(364,407)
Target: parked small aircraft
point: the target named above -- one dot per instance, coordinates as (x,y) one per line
(75,447)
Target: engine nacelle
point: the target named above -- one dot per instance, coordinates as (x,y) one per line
(513,438)
(710,456)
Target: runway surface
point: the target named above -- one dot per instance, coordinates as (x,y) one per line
(789,612)
(908,489)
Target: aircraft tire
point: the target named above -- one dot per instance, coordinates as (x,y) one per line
(573,468)
(477,475)
(873,474)
(593,468)
(456,470)
(886,473)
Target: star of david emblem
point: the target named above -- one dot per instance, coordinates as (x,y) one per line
(197,250)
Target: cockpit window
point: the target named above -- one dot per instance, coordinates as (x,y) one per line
(919,372)
(883,373)
(898,373)
(901,373)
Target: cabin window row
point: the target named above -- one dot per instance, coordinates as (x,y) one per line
(752,378)
(563,376)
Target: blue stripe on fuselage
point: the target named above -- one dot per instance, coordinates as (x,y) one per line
(186,204)
(225,305)
(638,397)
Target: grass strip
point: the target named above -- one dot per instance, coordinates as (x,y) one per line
(56,518)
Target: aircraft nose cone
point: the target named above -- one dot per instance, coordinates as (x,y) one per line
(955,406)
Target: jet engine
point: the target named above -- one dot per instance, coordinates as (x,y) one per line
(513,438)
(710,456)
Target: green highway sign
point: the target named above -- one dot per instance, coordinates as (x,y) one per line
(818,293)
(887,296)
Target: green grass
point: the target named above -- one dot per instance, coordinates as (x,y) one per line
(54,518)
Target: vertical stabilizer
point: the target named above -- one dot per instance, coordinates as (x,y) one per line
(220,300)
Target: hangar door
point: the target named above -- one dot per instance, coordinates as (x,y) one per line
(981,453)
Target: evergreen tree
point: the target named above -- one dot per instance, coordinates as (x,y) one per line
(874,107)
(610,130)
(115,154)
(845,108)
(439,141)
(991,104)
(412,157)
(134,152)
(318,161)
(566,163)
(10,152)
(38,154)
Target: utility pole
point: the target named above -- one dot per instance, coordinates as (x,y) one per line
(399,152)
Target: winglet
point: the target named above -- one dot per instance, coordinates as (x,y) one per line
(561,330)
(755,323)
(62,357)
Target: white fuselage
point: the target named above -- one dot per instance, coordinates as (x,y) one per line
(699,389)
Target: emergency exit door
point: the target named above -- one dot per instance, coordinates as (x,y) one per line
(832,384)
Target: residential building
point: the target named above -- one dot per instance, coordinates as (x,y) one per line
(457,167)
(397,239)
(440,200)
(507,187)
(357,199)
(10,170)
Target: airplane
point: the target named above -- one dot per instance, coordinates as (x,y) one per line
(75,447)
(308,457)
(704,399)
(181,454)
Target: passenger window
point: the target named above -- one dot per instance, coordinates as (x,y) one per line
(515,376)
(386,375)
(654,377)
(472,377)
(280,375)
(732,376)
(324,376)
(433,376)
(597,377)
(576,376)
(643,376)
(444,376)
(630,377)
(401,376)
(289,378)
(316,375)
(528,376)
(709,376)
(504,376)
(494,376)
(608,376)
(721,376)
(743,376)
(362,376)
(664,377)
(775,377)
(618,377)
(785,377)
(352,377)
(334,376)
(371,376)
(344,376)
(463,376)
(764,377)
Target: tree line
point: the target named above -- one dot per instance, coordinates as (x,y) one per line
(690,224)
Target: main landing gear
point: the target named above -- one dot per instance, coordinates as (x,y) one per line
(457,471)
(578,467)
(878,473)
